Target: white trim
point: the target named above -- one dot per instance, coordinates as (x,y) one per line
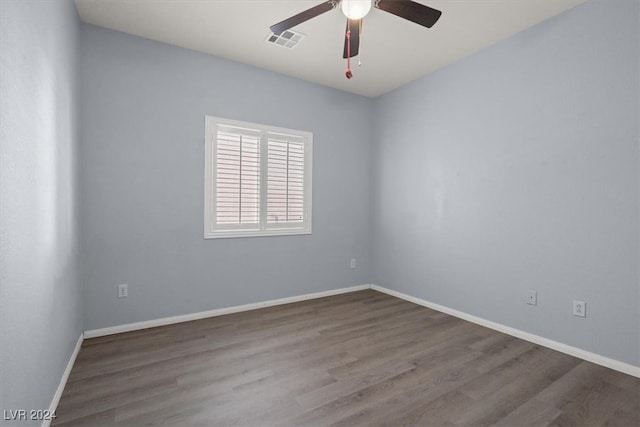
(216,312)
(256,233)
(536,339)
(63,380)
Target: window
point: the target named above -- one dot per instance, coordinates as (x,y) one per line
(257,180)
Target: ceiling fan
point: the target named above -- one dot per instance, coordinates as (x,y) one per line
(355,10)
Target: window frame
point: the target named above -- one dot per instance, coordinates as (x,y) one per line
(212,230)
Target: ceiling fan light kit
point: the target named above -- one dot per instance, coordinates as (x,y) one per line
(355,11)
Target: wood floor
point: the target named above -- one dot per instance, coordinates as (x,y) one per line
(362,358)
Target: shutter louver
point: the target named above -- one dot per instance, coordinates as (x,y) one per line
(285,181)
(237,178)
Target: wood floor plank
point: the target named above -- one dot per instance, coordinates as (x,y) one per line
(105,418)
(345,386)
(360,406)
(531,413)
(358,359)
(429,382)
(592,405)
(495,406)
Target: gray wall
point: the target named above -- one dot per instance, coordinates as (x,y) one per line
(40,314)
(516,169)
(141,173)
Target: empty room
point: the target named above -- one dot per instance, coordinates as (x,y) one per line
(319,213)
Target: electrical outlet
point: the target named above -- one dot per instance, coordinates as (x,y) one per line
(123,291)
(579,308)
(532,298)
(353,263)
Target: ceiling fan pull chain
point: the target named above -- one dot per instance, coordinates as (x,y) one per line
(349,73)
(360,53)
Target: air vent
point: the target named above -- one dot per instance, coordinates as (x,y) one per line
(288,39)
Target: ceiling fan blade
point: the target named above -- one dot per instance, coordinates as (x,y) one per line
(302,17)
(355,25)
(410,10)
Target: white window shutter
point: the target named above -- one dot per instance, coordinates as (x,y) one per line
(237,178)
(285,185)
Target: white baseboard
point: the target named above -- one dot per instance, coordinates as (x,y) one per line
(536,339)
(217,312)
(63,380)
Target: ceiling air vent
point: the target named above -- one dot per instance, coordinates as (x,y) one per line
(288,39)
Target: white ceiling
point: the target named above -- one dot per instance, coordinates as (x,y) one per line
(393,51)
